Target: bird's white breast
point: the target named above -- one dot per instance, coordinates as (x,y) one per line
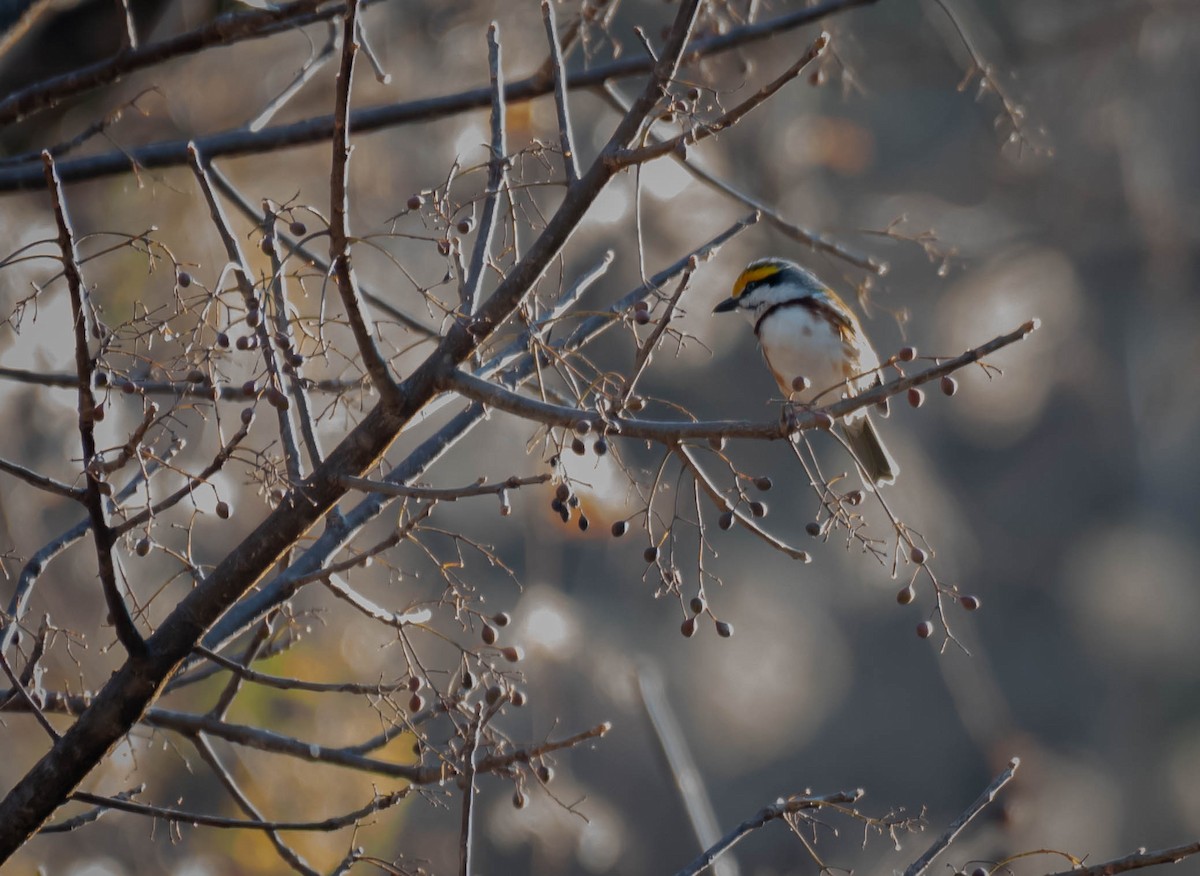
(798,343)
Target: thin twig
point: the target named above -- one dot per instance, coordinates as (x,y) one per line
(442,494)
(764,817)
(85,367)
(1136,861)
(310,68)
(209,756)
(922,863)
(566,136)
(185,817)
(719,499)
(339,200)
(497,178)
(643,154)
(41,481)
(806,237)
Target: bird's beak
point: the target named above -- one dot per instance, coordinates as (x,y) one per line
(725,306)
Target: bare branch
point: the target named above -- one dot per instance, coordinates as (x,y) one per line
(764,817)
(721,501)
(339,240)
(813,239)
(566,136)
(42,482)
(320,129)
(1136,861)
(922,863)
(89,412)
(673,432)
(497,178)
(224,30)
(642,154)
(442,494)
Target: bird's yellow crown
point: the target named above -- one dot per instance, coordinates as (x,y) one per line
(753,273)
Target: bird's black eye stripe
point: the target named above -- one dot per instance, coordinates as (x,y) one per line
(773,280)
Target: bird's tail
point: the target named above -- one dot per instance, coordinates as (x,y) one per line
(875,463)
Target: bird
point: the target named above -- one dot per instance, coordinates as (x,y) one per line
(813,343)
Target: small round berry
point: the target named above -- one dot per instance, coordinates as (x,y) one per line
(583,523)
(247,416)
(764,483)
(582,427)
(493,695)
(501,619)
(813,528)
(298,228)
(223,510)
(969,603)
(277,399)
(979,871)
(724,630)
(688,628)
(512,654)
(918,555)
(907,595)
(697,604)
(758,509)
(519,800)
(600,447)
(489,634)
(725,521)
(545,773)
(801,383)
(916,397)
(468,679)
(518,698)
(619,528)
(562,492)
(924,630)
(641,317)
(414,683)
(949,385)
(416,702)
(578,447)
(416,202)
(907,354)
(650,554)
(268,245)
(184,279)
(142,547)
(223,340)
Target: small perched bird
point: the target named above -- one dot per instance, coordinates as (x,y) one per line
(813,343)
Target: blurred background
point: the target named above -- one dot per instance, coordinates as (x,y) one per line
(1058,182)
